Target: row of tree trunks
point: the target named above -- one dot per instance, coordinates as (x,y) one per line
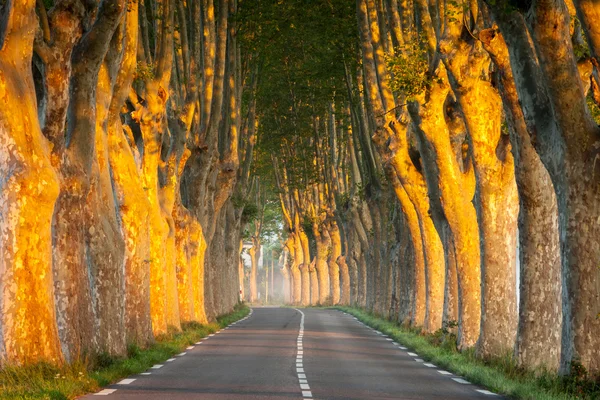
(115,250)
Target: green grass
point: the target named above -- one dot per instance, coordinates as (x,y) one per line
(499,375)
(46,381)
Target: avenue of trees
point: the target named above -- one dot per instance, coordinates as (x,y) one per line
(423,151)
(124,167)
(436,162)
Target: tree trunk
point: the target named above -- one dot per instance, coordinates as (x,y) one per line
(345,281)
(254,252)
(334,267)
(323,248)
(456,191)
(577,179)
(540,311)
(28,326)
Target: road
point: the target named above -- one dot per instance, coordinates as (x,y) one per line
(283,353)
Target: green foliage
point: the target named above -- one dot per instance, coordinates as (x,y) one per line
(594,109)
(250,212)
(143,72)
(408,68)
(445,337)
(300,46)
(47,381)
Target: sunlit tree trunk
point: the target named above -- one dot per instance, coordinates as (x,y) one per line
(132,202)
(494,167)
(28,329)
(334,267)
(323,248)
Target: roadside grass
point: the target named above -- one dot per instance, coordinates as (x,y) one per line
(500,375)
(47,381)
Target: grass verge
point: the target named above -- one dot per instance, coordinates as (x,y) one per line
(47,381)
(502,375)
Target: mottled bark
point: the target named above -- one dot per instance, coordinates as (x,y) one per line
(456,190)
(417,313)
(467,65)
(345,281)
(577,180)
(334,267)
(540,311)
(131,200)
(323,248)
(28,329)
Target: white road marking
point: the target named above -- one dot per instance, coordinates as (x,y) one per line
(171,359)
(189,347)
(441,371)
(304,387)
(157,366)
(125,382)
(402,348)
(388,339)
(429,365)
(395,344)
(181,354)
(105,392)
(146,373)
(212,334)
(413,354)
(418,360)
(198,342)
(459,380)
(486,392)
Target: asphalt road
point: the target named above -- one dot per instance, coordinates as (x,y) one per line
(283,353)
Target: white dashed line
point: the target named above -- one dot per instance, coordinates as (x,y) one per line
(413,354)
(157,366)
(418,360)
(171,359)
(105,392)
(189,347)
(198,342)
(390,340)
(125,382)
(146,373)
(211,335)
(441,371)
(181,354)
(486,392)
(304,386)
(429,365)
(402,348)
(460,380)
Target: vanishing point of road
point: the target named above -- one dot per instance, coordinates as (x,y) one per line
(286,353)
